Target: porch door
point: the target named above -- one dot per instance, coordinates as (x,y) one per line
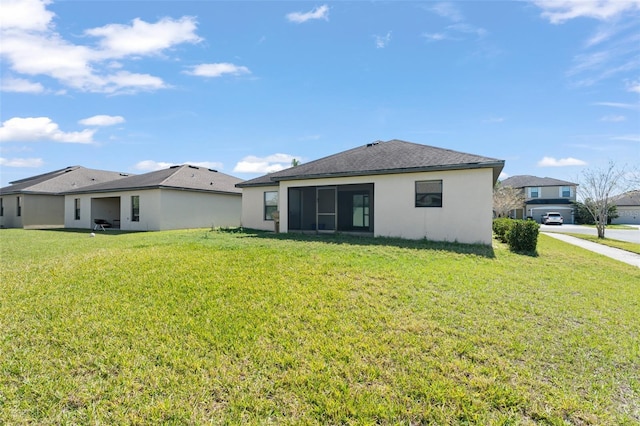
(326,208)
(360,211)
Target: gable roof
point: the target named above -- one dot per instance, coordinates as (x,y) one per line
(394,156)
(59,181)
(184,177)
(523,181)
(629,198)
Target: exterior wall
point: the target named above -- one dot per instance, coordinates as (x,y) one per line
(42,211)
(188,209)
(9,219)
(628,215)
(465,216)
(150,212)
(160,209)
(253,207)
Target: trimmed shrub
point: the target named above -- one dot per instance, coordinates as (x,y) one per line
(501,226)
(523,235)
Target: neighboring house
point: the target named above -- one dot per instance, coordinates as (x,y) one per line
(542,195)
(175,198)
(38,201)
(628,208)
(391,189)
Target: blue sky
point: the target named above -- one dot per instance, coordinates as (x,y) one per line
(551,87)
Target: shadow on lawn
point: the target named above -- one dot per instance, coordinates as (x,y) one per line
(356,240)
(108,231)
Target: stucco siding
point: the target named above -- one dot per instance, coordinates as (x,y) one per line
(253,207)
(42,211)
(465,216)
(185,209)
(10,219)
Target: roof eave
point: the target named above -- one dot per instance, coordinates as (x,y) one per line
(497,166)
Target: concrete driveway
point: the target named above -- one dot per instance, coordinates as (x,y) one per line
(629,235)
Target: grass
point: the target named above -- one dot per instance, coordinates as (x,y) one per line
(193,327)
(623,245)
(613,226)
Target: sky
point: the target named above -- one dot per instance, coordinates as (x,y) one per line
(244,87)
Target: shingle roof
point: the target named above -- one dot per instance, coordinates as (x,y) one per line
(59,181)
(184,177)
(390,157)
(523,181)
(629,198)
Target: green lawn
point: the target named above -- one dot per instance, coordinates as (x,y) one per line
(624,245)
(193,327)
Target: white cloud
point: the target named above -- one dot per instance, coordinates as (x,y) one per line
(32,47)
(457,31)
(448,10)
(20,85)
(559,11)
(632,138)
(562,162)
(617,105)
(25,15)
(435,36)
(613,118)
(34,129)
(503,176)
(144,38)
(269,164)
(102,120)
(383,41)
(21,162)
(217,70)
(633,86)
(151,165)
(321,12)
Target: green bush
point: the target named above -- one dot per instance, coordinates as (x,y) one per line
(501,226)
(523,235)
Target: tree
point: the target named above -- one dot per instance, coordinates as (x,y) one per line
(506,198)
(596,188)
(295,162)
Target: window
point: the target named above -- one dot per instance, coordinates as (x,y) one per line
(270,204)
(135,208)
(429,193)
(1,207)
(565,191)
(18,206)
(77,208)
(534,192)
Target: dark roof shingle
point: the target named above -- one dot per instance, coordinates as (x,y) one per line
(177,177)
(523,181)
(60,181)
(390,157)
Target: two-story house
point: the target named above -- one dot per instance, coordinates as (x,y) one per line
(542,195)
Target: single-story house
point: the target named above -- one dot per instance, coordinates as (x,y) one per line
(390,189)
(628,207)
(542,195)
(38,201)
(175,198)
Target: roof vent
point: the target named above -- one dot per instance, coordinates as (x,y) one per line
(123,174)
(213,170)
(373,143)
(194,167)
(174,167)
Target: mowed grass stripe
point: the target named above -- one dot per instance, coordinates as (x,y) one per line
(191,327)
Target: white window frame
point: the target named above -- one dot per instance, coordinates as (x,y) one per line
(560,191)
(530,190)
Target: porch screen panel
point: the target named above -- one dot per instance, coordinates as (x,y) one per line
(326,209)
